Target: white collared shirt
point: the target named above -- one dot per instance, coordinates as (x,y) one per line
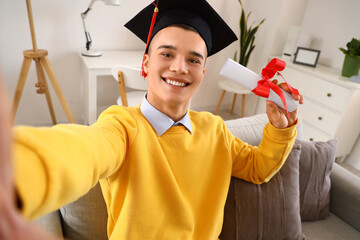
(161,122)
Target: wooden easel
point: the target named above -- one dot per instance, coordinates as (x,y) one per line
(42,62)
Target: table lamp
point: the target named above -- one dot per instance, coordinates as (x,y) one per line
(88,52)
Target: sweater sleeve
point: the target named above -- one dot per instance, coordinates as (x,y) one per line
(56,165)
(260,164)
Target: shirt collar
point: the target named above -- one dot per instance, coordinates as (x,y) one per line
(161,122)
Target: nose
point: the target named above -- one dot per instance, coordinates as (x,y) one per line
(179,66)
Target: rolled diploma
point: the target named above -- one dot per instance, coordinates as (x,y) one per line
(247,78)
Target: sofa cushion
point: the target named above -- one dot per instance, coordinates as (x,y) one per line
(316,163)
(86,218)
(51,223)
(266,211)
(250,129)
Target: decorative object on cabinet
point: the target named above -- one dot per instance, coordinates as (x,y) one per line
(41,62)
(291,41)
(351,64)
(355,78)
(331,105)
(307,56)
(88,52)
(247,38)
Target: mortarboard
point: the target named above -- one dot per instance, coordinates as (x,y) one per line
(197,14)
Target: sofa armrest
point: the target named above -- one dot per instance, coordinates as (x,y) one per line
(345,196)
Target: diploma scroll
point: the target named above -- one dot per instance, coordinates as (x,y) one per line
(247,78)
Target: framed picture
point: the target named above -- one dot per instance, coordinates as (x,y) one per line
(306,56)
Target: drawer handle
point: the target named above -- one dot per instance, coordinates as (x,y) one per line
(311,139)
(320,118)
(329,95)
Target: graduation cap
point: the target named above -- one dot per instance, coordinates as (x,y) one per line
(197,14)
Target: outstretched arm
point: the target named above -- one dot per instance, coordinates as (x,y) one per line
(57,165)
(12,225)
(259,164)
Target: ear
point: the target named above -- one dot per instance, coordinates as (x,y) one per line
(203,72)
(146,60)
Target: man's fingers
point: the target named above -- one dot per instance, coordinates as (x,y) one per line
(7,214)
(5,142)
(13,226)
(286,88)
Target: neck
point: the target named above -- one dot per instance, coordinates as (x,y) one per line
(173,111)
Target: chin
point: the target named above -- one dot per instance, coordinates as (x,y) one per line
(177,100)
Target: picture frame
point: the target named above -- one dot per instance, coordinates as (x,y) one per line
(306,56)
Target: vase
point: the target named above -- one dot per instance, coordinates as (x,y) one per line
(351,66)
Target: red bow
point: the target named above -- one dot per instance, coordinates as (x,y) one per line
(263,86)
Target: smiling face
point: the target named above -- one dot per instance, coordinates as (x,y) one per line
(175,65)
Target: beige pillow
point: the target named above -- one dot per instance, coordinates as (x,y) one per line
(267,211)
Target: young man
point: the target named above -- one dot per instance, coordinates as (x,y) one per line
(164,170)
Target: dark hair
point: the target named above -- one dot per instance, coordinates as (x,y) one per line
(179,25)
(185,27)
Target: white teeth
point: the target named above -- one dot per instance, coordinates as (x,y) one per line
(174,83)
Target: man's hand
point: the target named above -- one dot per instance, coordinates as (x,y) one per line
(278,116)
(12,225)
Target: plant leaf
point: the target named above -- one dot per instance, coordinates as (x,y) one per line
(247,36)
(248,56)
(250,37)
(344,51)
(242,28)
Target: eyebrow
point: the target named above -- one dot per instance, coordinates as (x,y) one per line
(197,54)
(174,48)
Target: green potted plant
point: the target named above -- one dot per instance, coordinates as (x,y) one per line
(352,58)
(247,37)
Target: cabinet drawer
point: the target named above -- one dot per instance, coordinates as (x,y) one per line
(320,117)
(311,133)
(333,95)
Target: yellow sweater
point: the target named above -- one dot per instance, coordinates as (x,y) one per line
(168,187)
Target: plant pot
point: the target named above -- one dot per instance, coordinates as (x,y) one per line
(351,66)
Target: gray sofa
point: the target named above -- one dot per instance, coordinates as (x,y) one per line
(86,218)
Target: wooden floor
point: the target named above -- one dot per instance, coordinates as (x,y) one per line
(226,115)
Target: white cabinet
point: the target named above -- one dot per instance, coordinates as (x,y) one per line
(332,104)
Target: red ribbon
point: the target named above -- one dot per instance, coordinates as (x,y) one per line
(156,10)
(263,86)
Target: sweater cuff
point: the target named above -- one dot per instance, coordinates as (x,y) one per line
(29,195)
(283,134)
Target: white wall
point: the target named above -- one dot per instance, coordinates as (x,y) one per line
(332,24)
(59,30)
